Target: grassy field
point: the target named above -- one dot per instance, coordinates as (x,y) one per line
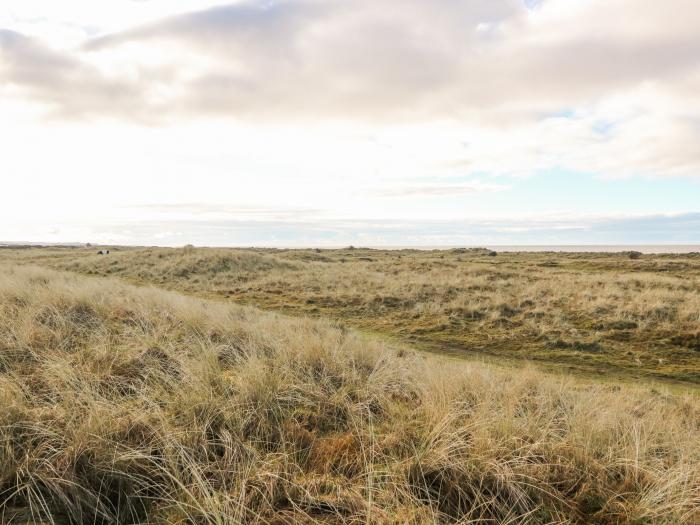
(122,404)
(598,314)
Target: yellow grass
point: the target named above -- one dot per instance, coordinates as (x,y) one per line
(591,313)
(122,404)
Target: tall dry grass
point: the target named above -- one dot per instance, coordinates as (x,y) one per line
(595,313)
(124,405)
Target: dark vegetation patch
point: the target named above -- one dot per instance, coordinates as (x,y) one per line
(690,341)
(578,346)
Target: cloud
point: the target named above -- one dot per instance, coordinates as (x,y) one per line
(438,190)
(67,86)
(497,71)
(205,211)
(543,230)
(392,59)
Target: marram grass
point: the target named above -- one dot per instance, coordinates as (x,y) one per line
(128,405)
(592,314)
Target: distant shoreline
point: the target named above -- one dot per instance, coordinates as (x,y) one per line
(592,248)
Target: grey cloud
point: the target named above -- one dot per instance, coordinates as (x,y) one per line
(374,59)
(314,58)
(377,60)
(480,62)
(259,24)
(70,87)
(651,229)
(306,58)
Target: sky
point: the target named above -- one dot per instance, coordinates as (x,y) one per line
(336,122)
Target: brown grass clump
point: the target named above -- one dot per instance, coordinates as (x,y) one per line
(129,405)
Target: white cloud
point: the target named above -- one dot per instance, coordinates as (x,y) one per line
(438,190)
(333,105)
